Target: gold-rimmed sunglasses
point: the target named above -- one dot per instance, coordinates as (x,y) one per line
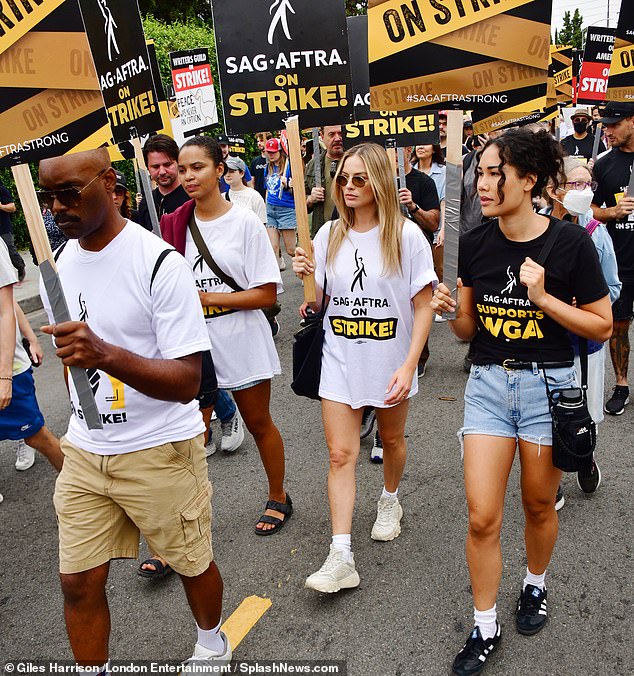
(69,197)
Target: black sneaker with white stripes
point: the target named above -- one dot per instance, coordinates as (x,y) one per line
(475,652)
(532,611)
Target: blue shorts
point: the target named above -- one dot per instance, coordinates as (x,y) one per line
(512,404)
(282,218)
(22,418)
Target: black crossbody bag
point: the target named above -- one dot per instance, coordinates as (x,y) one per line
(573,430)
(269,312)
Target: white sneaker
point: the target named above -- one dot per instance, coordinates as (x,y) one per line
(388,520)
(210,448)
(282,263)
(203,660)
(335,574)
(232,433)
(376,453)
(24,456)
(438,319)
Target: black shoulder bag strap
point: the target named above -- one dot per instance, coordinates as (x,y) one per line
(157,265)
(208,258)
(583,343)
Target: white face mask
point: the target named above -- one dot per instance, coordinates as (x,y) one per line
(577,202)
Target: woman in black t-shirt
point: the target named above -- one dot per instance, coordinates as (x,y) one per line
(517,313)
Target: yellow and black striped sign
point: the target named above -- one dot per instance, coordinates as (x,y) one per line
(483,124)
(50,103)
(621,80)
(462,55)
(559,75)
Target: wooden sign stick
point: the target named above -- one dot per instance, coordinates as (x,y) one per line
(53,284)
(146,185)
(453,191)
(299,194)
(317,157)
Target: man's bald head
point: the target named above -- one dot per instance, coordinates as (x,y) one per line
(91,174)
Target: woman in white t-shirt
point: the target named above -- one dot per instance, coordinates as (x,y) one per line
(239,192)
(379,274)
(242,347)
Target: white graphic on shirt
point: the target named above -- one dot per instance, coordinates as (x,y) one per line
(280,17)
(512,283)
(109,27)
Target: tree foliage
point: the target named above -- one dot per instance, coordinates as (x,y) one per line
(571,33)
(168,10)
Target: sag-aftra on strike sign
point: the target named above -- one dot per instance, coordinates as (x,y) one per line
(278,58)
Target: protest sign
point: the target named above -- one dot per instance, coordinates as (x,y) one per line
(483,123)
(120,55)
(621,81)
(560,74)
(411,128)
(595,68)
(577,57)
(278,58)
(49,94)
(194,90)
(427,54)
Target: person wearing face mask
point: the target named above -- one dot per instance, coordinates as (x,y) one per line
(571,201)
(580,143)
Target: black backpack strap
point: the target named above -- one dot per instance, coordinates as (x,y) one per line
(227,196)
(58,253)
(550,242)
(157,265)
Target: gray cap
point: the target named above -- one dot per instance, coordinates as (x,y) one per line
(235,163)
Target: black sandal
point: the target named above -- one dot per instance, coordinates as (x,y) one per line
(285,507)
(159,571)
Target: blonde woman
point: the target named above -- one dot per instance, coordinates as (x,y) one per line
(379,284)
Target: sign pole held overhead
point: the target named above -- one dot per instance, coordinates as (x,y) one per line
(299,195)
(452,202)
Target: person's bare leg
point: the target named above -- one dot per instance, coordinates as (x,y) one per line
(487,465)
(620,350)
(540,479)
(253,404)
(204,595)
(342,425)
(46,443)
(290,238)
(87,614)
(392,432)
(274,236)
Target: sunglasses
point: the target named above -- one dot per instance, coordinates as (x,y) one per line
(357,181)
(580,185)
(69,197)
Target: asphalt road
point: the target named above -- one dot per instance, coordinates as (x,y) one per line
(413,609)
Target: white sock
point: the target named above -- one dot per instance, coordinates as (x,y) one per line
(486,620)
(92,671)
(343,543)
(211,639)
(389,496)
(535,580)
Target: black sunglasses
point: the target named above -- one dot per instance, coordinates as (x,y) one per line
(69,197)
(357,181)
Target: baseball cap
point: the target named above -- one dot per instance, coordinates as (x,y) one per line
(581,112)
(122,181)
(223,140)
(442,113)
(272,145)
(615,112)
(235,163)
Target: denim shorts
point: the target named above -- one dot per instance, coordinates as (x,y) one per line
(512,404)
(282,218)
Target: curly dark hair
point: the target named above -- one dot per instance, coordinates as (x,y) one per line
(530,153)
(210,146)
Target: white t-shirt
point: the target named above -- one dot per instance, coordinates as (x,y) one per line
(110,290)
(241,341)
(370,316)
(8,277)
(249,199)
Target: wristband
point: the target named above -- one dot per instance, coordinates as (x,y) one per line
(415,209)
(6,377)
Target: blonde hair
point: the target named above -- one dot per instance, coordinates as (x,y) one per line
(280,164)
(381,179)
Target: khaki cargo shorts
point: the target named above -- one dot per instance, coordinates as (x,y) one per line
(103,502)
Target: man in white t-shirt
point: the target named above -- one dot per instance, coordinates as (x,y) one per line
(146,469)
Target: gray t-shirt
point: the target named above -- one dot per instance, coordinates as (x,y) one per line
(9,276)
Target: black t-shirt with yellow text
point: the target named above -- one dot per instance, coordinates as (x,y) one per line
(612,172)
(510,326)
